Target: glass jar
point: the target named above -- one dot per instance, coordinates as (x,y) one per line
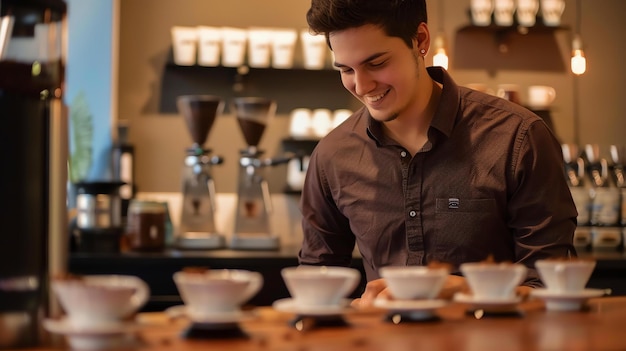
(145,229)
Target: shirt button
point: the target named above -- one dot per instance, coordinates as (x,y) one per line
(403,154)
(412,213)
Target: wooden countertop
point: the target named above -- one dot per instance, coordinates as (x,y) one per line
(599,327)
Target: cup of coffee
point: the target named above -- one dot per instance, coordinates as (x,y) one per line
(100,300)
(493,281)
(541,96)
(322,286)
(565,275)
(414,282)
(216,291)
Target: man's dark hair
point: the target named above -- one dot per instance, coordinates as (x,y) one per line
(398,18)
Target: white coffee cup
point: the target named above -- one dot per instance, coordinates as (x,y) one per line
(209,46)
(314,49)
(526,12)
(565,275)
(551,11)
(321,122)
(233,46)
(300,123)
(100,300)
(493,281)
(320,285)
(259,47)
(216,291)
(340,116)
(503,12)
(541,96)
(481,11)
(184,44)
(283,47)
(414,282)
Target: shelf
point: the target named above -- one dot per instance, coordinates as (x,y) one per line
(495,48)
(291,88)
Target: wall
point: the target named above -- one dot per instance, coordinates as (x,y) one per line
(586,109)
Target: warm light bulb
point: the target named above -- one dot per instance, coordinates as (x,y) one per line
(440,58)
(578,63)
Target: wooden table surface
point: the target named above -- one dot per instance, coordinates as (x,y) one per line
(600,326)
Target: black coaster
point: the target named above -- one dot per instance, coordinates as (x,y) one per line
(482,313)
(213,331)
(303,322)
(401,317)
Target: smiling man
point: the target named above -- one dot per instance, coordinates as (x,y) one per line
(426,171)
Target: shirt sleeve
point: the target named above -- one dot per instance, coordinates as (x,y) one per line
(327,238)
(541,210)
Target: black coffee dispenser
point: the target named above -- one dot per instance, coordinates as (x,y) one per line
(33,155)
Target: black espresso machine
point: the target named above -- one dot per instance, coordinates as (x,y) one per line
(33,163)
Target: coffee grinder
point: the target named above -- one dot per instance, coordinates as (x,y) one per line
(197,224)
(254,205)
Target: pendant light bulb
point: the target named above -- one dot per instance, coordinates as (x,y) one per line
(441,57)
(578,61)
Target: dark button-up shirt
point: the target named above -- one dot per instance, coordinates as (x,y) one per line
(489,181)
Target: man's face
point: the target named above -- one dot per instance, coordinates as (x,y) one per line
(379,70)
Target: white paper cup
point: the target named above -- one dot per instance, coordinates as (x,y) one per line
(100,300)
(184,44)
(551,11)
(503,12)
(481,11)
(209,46)
(259,47)
(283,47)
(234,42)
(314,49)
(526,12)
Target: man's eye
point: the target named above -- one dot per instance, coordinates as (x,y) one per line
(346,70)
(377,64)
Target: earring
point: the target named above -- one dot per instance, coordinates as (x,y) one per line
(423,51)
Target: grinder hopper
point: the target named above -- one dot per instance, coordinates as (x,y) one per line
(197,225)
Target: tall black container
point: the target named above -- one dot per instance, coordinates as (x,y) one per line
(33,165)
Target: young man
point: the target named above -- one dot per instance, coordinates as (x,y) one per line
(427,170)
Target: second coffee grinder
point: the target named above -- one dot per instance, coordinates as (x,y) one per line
(254,205)
(197,224)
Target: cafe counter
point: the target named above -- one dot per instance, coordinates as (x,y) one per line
(157,270)
(599,326)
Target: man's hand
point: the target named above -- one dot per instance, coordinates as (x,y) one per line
(373,289)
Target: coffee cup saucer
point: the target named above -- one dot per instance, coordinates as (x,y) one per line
(214,318)
(290,305)
(505,303)
(65,327)
(419,309)
(565,300)
(92,338)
